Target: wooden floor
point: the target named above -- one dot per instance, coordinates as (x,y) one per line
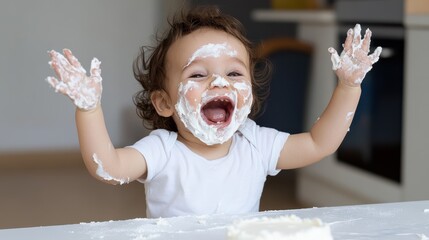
(39,196)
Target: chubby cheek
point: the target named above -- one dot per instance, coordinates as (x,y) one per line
(244,90)
(191,92)
(193,98)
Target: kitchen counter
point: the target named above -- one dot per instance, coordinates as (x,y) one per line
(389,221)
(318,184)
(300,16)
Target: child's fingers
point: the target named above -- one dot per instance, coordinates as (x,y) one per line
(53,62)
(357,35)
(349,40)
(95,69)
(335,58)
(366,41)
(73,60)
(375,55)
(57,85)
(61,66)
(52,81)
(56,68)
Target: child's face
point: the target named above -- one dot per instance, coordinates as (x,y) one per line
(209,81)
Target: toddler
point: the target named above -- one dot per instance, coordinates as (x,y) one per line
(200,90)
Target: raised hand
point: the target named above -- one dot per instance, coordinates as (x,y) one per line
(84,91)
(354,62)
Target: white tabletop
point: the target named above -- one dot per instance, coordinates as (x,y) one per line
(390,221)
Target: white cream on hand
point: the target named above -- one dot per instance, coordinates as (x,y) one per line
(354,62)
(84,91)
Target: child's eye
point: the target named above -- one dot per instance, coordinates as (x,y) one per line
(197,75)
(234,74)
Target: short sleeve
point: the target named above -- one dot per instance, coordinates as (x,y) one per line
(156,149)
(268,141)
(279,141)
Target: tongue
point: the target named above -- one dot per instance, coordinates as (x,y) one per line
(215,114)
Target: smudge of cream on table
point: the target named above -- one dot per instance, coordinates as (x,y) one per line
(143,228)
(419,235)
(423,237)
(346,221)
(162,222)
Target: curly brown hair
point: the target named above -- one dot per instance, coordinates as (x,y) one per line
(150,70)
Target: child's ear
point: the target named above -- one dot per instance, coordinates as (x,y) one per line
(162,103)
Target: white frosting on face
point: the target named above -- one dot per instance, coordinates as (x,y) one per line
(219,81)
(212,50)
(194,95)
(245,90)
(189,110)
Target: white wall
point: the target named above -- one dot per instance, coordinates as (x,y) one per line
(32,115)
(416,149)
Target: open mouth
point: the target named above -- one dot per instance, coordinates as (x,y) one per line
(218,111)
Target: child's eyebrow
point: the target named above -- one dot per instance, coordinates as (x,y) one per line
(187,65)
(240,61)
(200,59)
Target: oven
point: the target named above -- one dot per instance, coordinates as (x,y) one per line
(374,143)
(375,140)
(369,165)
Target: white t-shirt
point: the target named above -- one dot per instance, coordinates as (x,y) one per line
(181,182)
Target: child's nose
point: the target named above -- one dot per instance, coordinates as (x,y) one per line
(219,81)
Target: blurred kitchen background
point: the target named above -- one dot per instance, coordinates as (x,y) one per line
(384,158)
